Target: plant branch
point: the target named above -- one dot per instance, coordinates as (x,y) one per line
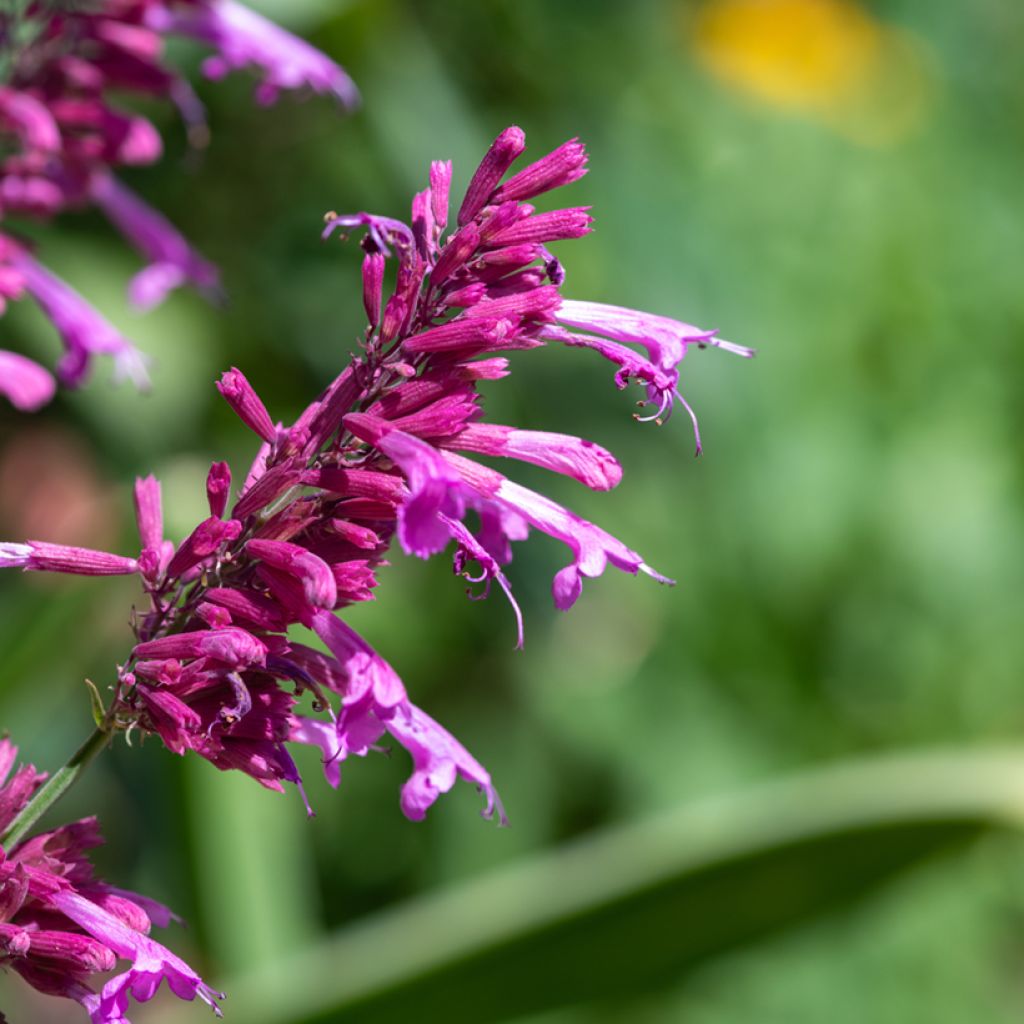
(54,788)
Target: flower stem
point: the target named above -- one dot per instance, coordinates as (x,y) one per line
(54,788)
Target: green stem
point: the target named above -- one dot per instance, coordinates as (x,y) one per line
(54,788)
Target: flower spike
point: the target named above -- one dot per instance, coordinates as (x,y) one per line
(387,452)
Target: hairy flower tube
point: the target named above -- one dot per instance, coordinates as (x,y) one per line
(386,450)
(62,136)
(65,931)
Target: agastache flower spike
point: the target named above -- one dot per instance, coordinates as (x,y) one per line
(63,137)
(60,928)
(218,668)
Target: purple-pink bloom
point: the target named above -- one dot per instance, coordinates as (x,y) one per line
(438,760)
(374,703)
(217,667)
(666,341)
(61,929)
(152,963)
(24,383)
(172,261)
(584,461)
(243,38)
(83,330)
(64,135)
(446,485)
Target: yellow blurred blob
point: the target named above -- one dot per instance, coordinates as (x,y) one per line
(828,58)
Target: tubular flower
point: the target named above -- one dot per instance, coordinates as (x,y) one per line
(386,450)
(62,138)
(60,926)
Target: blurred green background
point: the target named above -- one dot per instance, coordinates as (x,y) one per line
(784,791)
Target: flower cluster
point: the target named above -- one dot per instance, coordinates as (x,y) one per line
(62,136)
(386,449)
(59,926)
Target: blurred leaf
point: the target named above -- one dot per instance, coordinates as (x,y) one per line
(253,865)
(637,906)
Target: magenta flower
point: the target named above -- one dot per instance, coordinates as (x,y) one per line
(63,137)
(60,928)
(386,450)
(242,38)
(24,383)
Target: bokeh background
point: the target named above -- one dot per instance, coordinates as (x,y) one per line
(784,791)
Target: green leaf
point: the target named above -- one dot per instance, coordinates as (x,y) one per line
(99,712)
(620,912)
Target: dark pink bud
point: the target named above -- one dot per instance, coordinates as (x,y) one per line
(246,403)
(367,428)
(149,512)
(355,581)
(468,296)
(70,951)
(248,605)
(266,489)
(440,187)
(485,369)
(406,397)
(38,556)
(213,615)
(153,562)
(514,284)
(312,572)
(166,671)
(368,508)
(322,418)
(394,317)
(356,483)
(218,488)
(457,250)
(233,646)
(202,542)
(560,167)
(174,721)
(462,333)
(511,256)
(30,118)
(373,284)
(546,227)
(446,416)
(504,151)
(538,303)
(358,536)
(423,223)
(503,217)
(287,592)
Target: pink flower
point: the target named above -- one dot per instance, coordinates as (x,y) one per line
(60,927)
(24,383)
(173,262)
(218,667)
(84,332)
(63,136)
(243,38)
